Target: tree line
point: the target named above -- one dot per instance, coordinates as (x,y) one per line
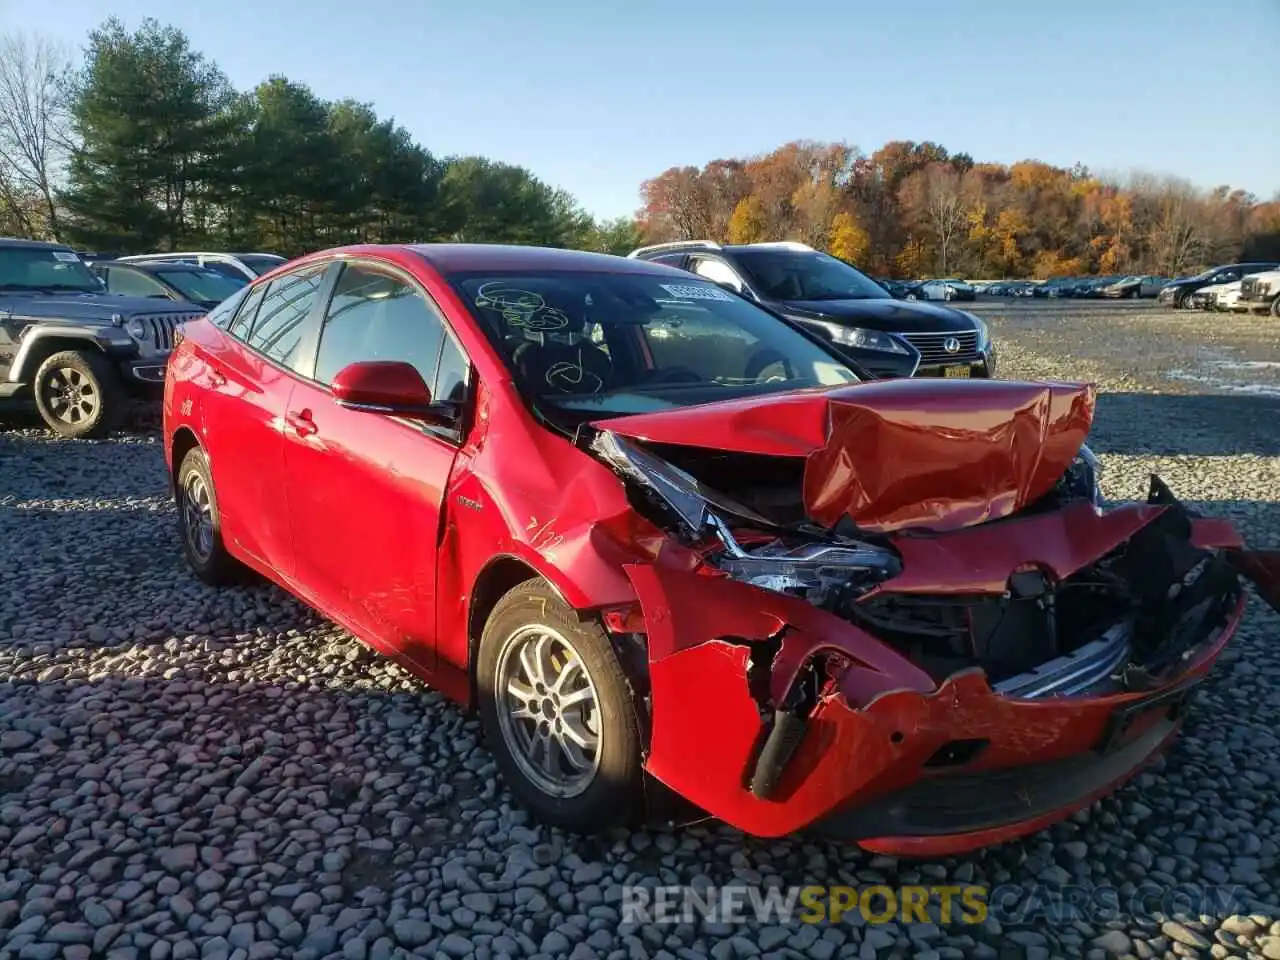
(912,209)
(146,146)
(143,144)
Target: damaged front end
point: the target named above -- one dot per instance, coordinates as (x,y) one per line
(825,676)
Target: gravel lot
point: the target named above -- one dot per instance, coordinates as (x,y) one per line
(190,773)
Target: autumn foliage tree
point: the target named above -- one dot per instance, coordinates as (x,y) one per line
(916,209)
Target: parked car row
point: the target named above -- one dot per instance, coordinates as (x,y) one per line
(1251,286)
(1186,293)
(83,336)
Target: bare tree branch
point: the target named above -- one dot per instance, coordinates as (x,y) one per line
(34,124)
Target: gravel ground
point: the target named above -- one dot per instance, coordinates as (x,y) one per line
(190,773)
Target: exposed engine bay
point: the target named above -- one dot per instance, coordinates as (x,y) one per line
(1117,623)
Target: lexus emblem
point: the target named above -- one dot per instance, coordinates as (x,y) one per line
(951,345)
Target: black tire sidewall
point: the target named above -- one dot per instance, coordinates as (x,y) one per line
(615,797)
(106,381)
(220,567)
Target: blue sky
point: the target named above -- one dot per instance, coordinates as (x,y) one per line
(596,96)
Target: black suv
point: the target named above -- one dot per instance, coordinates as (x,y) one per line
(827,295)
(79,352)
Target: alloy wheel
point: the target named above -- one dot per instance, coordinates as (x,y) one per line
(197,516)
(71,396)
(548,711)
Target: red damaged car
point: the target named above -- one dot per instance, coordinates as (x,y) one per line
(649,528)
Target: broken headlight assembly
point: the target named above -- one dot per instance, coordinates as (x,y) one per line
(1084,477)
(784,564)
(799,568)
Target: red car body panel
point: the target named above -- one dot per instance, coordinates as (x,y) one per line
(393,533)
(899,453)
(884,722)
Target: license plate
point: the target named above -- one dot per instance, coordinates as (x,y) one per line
(956,371)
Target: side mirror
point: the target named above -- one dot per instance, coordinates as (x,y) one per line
(388,386)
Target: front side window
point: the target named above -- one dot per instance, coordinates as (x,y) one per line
(133,283)
(601,344)
(277,330)
(797,275)
(207,286)
(374,315)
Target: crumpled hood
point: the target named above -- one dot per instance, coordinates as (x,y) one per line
(930,454)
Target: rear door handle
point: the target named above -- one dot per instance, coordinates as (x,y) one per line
(302,423)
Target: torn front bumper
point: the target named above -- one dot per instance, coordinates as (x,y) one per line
(884,755)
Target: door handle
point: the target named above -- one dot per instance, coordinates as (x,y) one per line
(302,423)
(216,378)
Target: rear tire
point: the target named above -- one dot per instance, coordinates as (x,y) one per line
(79,394)
(200,523)
(1275,308)
(558,713)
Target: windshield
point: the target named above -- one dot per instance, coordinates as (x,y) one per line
(795,275)
(261,263)
(45,268)
(603,344)
(207,286)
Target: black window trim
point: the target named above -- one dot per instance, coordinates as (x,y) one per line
(307,343)
(454,435)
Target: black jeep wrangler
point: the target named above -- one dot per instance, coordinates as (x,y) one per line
(80,353)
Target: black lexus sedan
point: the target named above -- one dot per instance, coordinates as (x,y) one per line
(835,300)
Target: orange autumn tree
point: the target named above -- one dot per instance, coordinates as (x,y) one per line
(914,208)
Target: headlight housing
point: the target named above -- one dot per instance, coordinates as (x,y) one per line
(858,336)
(1084,476)
(136,329)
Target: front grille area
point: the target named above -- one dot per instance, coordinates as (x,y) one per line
(933,347)
(160,327)
(1253,289)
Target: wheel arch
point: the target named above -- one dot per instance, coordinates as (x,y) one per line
(38,346)
(184,441)
(499,575)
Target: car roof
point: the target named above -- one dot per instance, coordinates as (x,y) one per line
(460,257)
(154,266)
(20,244)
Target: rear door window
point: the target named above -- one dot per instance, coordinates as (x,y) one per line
(281,321)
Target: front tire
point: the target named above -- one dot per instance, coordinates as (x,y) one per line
(558,713)
(200,523)
(79,394)
(1275,308)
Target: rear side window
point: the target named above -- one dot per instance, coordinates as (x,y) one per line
(243,322)
(223,314)
(277,331)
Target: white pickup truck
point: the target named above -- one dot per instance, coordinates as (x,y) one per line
(1261,291)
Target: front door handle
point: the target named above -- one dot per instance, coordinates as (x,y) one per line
(302,423)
